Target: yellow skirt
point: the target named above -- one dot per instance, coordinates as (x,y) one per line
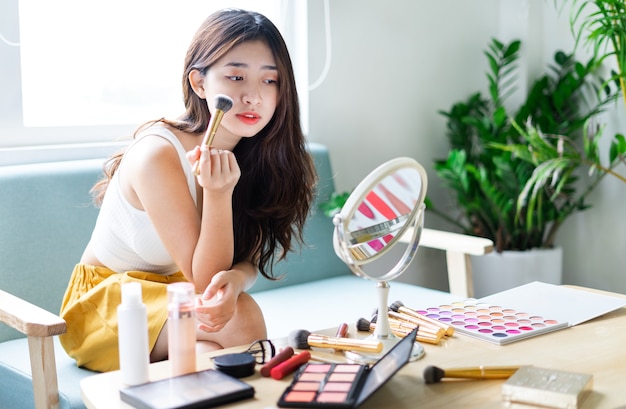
(90,310)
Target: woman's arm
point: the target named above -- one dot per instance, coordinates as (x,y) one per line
(219,173)
(201,243)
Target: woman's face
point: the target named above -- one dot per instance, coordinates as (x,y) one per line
(248,74)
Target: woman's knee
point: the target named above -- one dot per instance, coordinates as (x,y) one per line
(249,318)
(246,326)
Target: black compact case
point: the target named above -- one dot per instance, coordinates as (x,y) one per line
(344,385)
(202,389)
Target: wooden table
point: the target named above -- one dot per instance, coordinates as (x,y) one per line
(597,347)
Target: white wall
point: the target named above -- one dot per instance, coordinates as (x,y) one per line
(396,64)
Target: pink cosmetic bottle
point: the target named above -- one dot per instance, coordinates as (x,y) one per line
(181,328)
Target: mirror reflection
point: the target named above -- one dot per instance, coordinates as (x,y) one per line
(379,218)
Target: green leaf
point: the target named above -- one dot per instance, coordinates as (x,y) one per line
(334,204)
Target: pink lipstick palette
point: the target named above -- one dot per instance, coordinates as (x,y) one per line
(344,385)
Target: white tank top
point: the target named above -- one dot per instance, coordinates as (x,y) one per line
(124,238)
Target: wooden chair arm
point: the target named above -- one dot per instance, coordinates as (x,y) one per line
(28,318)
(458,248)
(39,326)
(461,243)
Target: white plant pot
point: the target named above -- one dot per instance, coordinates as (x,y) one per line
(495,272)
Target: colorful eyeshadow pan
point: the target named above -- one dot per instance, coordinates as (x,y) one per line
(306,386)
(491,323)
(296,396)
(325,384)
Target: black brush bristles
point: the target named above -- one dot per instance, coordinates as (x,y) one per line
(298,339)
(396,306)
(363,325)
(433,374)
(223,102)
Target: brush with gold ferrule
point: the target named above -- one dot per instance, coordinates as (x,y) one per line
(433,374)
(223,104)
(303,339)
(398,306)
(365,325)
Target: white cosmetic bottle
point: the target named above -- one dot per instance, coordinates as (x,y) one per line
(181,328)
(133,336)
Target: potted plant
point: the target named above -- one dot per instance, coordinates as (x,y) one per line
(558,155)
(495,166)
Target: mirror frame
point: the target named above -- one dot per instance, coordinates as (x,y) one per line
(349,209)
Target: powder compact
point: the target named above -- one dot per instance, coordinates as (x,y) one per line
(347,385)
(238,365)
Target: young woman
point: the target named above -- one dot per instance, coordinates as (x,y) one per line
(159,223)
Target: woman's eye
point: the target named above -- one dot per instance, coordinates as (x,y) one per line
(270,81)
(235,78)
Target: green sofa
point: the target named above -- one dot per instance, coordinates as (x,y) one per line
(46,218)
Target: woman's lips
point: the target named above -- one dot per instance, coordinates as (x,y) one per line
(249,118)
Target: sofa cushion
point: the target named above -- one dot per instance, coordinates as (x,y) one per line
(17,385)
(47,217)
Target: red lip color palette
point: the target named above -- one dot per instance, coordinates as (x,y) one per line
(344,385)
(492,323)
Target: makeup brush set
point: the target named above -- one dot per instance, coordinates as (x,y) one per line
(403,320)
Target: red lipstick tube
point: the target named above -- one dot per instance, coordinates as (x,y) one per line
(280,357)
(290,365)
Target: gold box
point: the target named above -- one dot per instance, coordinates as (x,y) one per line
(547,387)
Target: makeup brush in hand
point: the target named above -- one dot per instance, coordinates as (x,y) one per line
(223,104)
(433,374)
(303,339)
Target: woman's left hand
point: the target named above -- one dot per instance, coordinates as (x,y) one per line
(217,305)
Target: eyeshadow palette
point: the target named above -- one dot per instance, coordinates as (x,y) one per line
(344,385)
(492,323)
(204,389)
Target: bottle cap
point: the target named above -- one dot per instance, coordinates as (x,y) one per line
(131,293)
(180,293)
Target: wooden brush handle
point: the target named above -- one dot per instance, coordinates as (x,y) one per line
(214,123)
(423,325)
(448,328)
(345,344)
(427,338)
(409,325)
(482,372)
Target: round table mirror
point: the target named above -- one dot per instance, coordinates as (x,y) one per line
(388,203)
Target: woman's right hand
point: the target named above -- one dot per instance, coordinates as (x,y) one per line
(218,169)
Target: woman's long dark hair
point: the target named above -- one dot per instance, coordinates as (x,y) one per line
(273,197)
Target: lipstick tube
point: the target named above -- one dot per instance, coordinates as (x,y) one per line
(285,368)
(280,357)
